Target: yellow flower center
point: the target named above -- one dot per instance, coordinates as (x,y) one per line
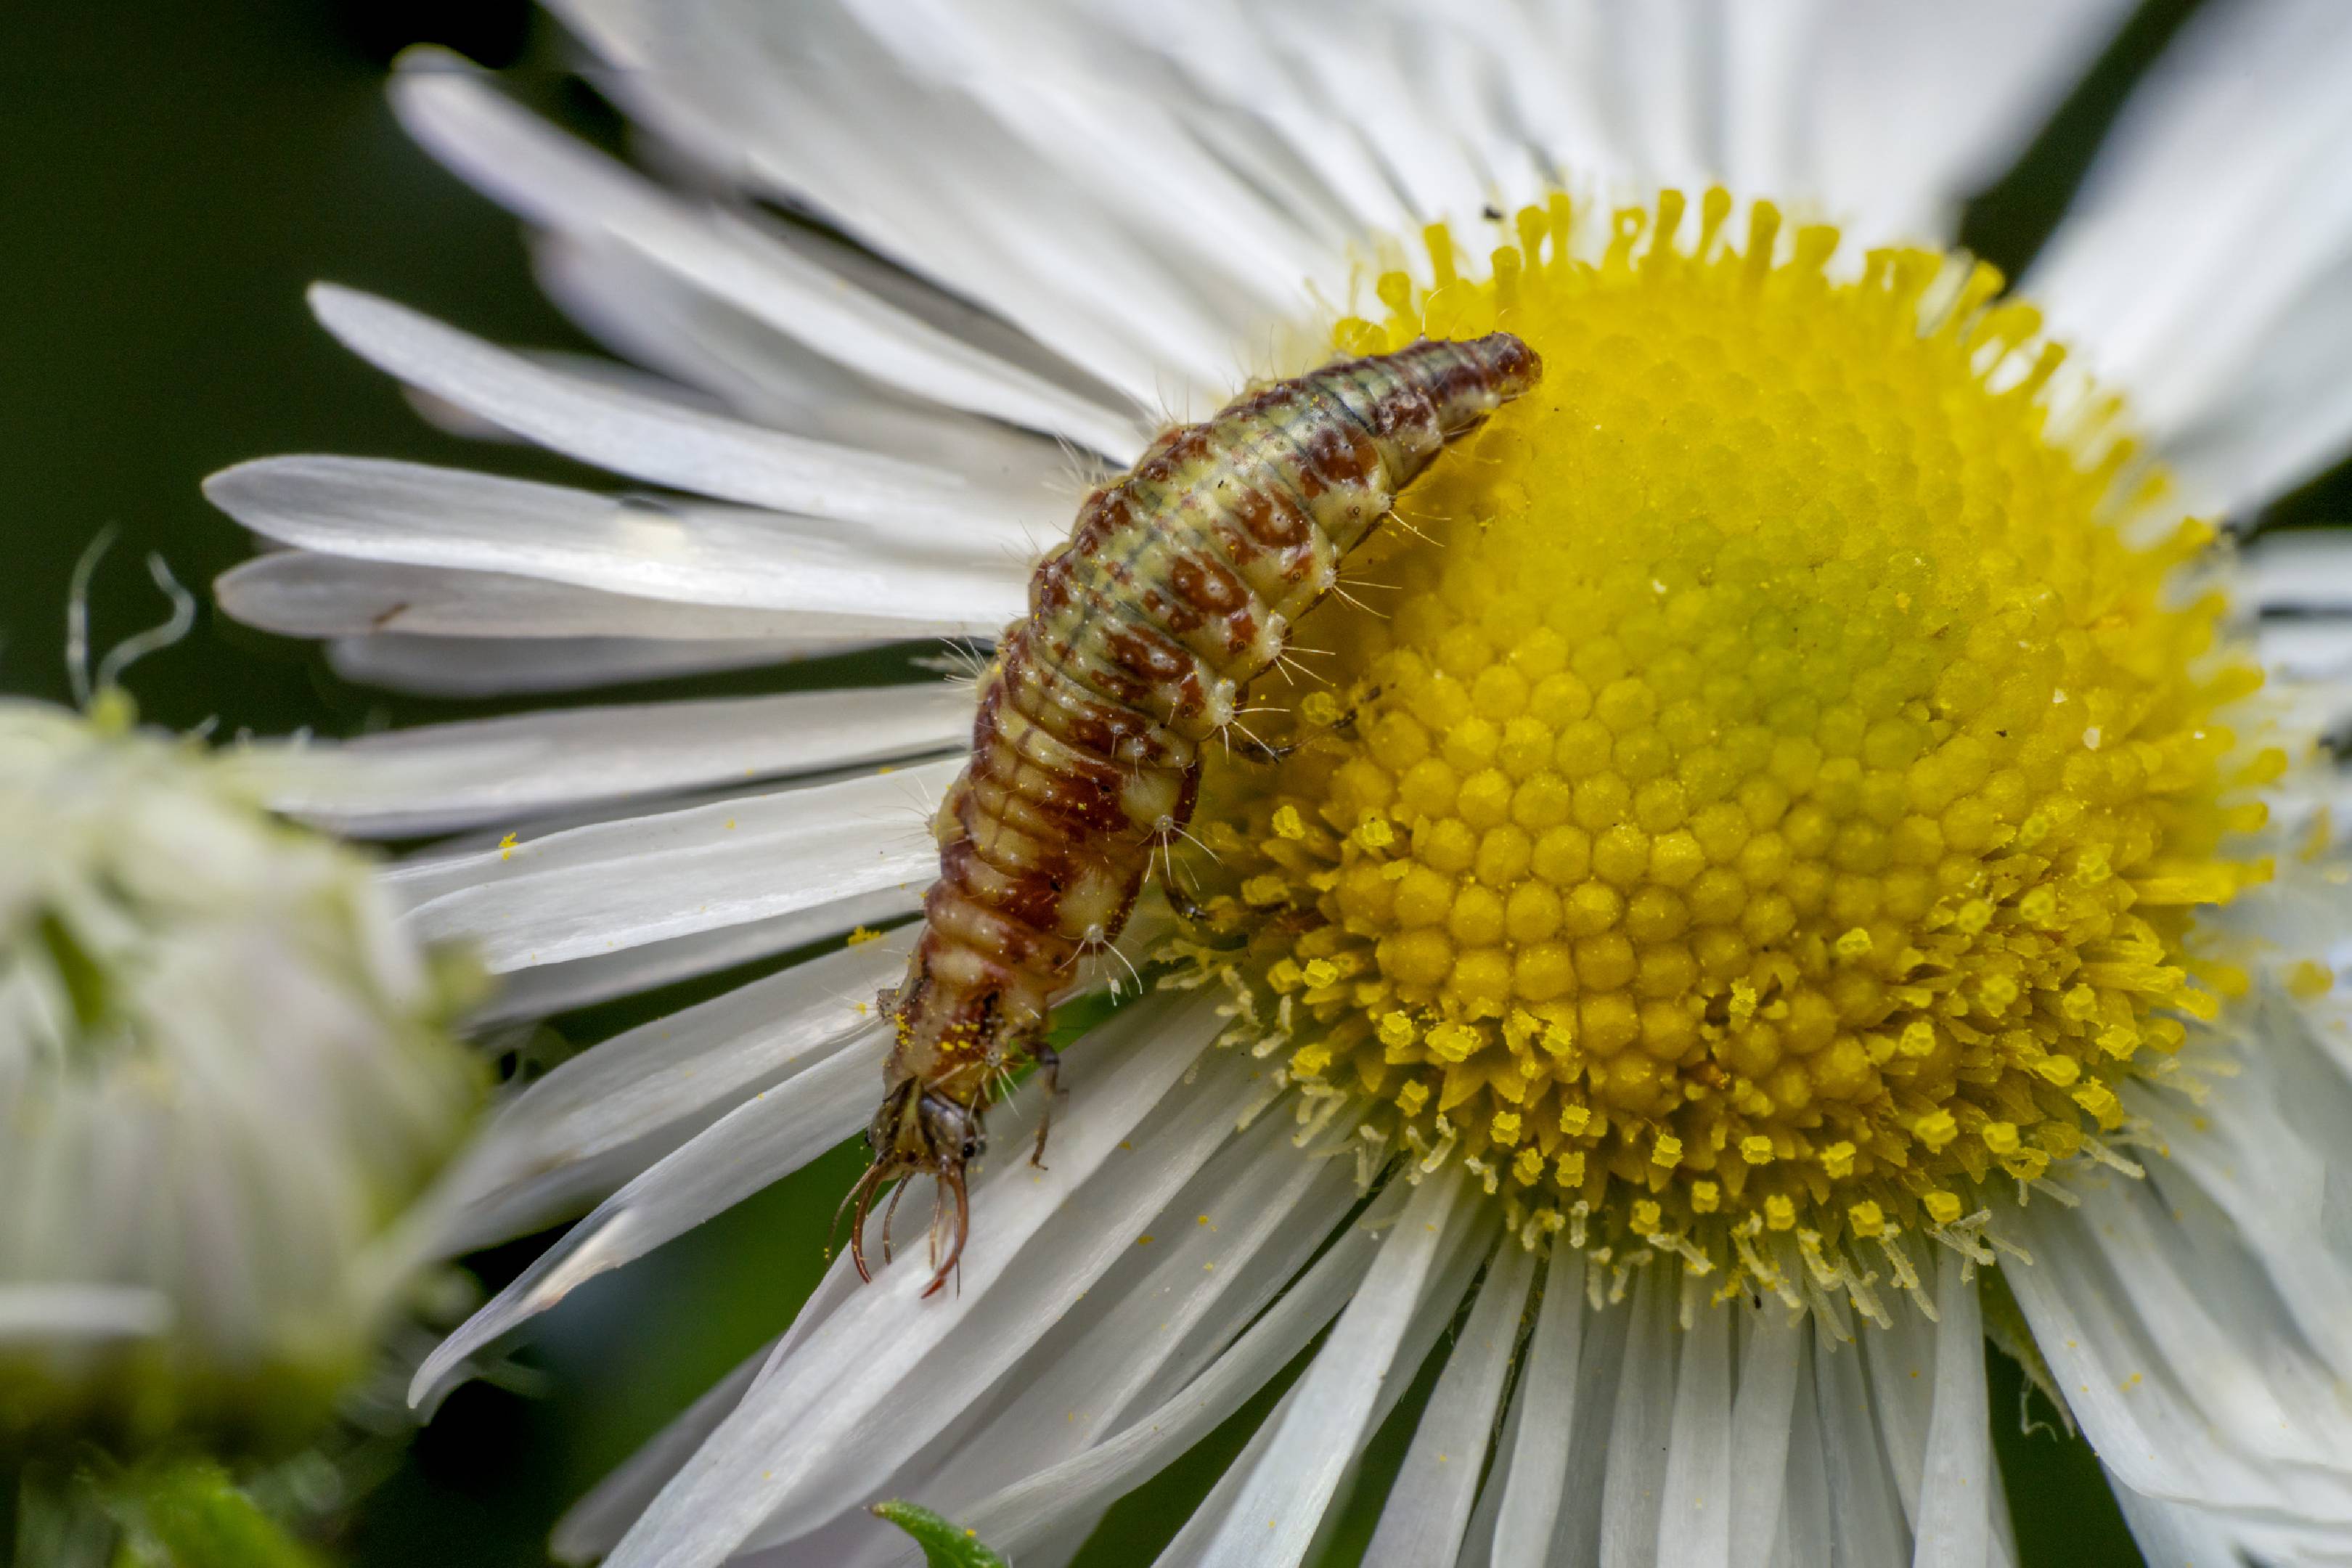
(1762,787)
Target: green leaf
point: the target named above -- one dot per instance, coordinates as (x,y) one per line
(944,1545)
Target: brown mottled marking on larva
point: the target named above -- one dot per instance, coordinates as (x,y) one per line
(1177,587)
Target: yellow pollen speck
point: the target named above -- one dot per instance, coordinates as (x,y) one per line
(863,935)
(1779,794)
(507,848)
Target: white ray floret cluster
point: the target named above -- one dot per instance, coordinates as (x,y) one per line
(1075,217)
(225,1075)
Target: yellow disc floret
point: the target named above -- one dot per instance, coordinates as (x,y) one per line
(1766,776)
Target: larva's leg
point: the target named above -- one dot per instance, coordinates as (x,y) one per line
(1250,748)
(1186,906)
(1049,1063)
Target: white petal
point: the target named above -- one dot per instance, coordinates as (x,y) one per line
(296,594)
(1696,1520)
(1865,1507)
(2172,1536)
(491,665)
(433,778)
(1772,1362)
(652,439)
(70,1312)
(1428,1505)
(412,515)
(2246,111)
(1902,1359)
(648,1090)
(554,181)
(1536,1467)
(1954,1528)
(922,173)
(1807,1531)
(547,989)
(760,1141)
(1909,110)
(597,889)
(1275,1515)
(641,311)
(1023,1513)
(794,1423)
(2297,569)
(1164,1311)
(1460,1254)
(881,1429)
(1640,1430)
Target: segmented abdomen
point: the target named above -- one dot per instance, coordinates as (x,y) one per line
(1178,586)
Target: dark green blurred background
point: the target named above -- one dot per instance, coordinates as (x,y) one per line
(171,176)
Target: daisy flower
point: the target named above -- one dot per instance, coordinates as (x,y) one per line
(1806,845)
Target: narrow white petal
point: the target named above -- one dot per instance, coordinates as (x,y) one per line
(68,1312)
(641,311)
(651,438)
(1771,1361)
(1641,1428)
(1956,1495)
(923,174)
(1866,1509)
(596,889)
(555,182)
(1460,1255)
(1536,1468)
(760,1141)
(1275,1515)
(298,593)
(1074,1414)
(783,1434)
(1428,1507)
(879,1429)
(488,665)
(2173,1536)
(1807,1531)
(547,989)
(1695,1519)
(439,777)
(1023,1513)
(2246,107)
(1902,1360)
(1949,95)
(1131,1342)
(648,1090)
(412,515)
(2298,569)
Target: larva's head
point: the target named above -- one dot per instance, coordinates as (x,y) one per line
(1468,379)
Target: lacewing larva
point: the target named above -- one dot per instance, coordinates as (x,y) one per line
(1177,587)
